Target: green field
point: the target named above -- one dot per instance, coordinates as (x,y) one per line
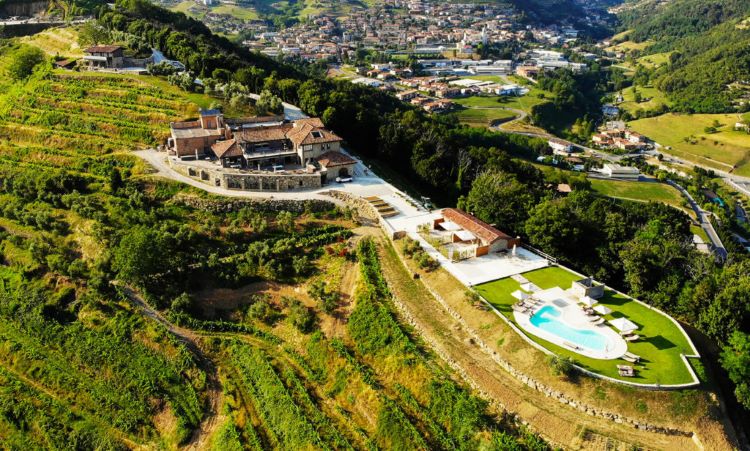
(661,342)
(651,99)
(638,191)
(482,117)
(655,59)
(686,136)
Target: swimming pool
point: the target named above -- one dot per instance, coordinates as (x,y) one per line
(548,319)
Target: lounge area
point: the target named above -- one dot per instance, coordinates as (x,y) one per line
(649,341)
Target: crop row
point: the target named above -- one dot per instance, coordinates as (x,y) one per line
(281,415)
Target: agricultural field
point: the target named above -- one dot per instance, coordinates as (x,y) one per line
(660,348)
(687,135)
(483,117)
(639,191)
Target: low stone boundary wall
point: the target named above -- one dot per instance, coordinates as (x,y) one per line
(363,208)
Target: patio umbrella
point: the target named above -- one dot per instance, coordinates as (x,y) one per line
(603,309)
(588,302)
(520,295)
(623,324)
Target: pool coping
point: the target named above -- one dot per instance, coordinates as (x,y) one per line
(524,321)
(696,381)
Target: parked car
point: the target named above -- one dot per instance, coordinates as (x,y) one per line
(277,168)
(343,179)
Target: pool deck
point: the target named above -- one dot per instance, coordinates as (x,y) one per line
(573,316)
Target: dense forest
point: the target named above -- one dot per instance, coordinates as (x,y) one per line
(707,41)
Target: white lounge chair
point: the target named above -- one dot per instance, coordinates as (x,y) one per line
(632,337)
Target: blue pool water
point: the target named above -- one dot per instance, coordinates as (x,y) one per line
(547,318)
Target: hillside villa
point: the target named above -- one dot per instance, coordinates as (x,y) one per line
(260,143)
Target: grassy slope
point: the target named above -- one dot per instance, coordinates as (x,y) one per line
(720,150)
(655,98)
(57,42)
(660,346)
(638,191)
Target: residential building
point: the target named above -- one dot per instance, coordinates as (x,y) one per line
(616,171)
(560,147)
(104,56)
(471,237)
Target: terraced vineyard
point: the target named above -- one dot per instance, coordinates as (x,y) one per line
(77,121)
(129,319)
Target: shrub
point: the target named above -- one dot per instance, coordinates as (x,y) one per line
(561,366)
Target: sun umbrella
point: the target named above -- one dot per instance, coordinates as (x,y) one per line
(603,310)
(520,295)
(588,302)
(623,324)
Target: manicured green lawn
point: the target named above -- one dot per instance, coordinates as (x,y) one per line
(638,191)
(661,342)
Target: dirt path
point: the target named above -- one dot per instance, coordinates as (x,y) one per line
(212,419)
(561,425)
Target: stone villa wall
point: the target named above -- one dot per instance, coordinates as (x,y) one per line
(249,181)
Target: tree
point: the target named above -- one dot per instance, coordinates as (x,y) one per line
(735,358)
(23,61)
(300,316)
(328,300)
(499,198)
(269,103)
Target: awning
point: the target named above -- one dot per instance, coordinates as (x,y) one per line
(464,235)
(450,225)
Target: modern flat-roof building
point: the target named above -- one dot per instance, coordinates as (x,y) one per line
(615,171)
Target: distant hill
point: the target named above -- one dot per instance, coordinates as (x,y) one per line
(708,70)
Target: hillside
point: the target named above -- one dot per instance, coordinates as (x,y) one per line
(136,313)
(708,67)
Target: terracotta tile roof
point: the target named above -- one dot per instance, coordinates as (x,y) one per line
(263,134)
(103,49)
(334,158)
(226,149)
(308,133)
(485,232)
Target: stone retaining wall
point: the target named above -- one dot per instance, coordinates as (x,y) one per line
(264,205)
(250,181)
